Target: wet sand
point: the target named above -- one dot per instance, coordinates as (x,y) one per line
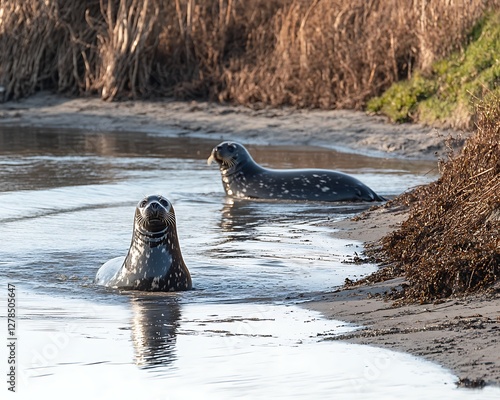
(461,334)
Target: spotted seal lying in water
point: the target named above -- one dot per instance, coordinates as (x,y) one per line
(243,177)
(154,261)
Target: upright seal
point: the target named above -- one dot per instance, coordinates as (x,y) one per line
(154,261)
(243,177)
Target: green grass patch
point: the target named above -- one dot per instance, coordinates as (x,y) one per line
(444,95)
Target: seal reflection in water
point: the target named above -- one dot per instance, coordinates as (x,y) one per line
(154,261)
(243,177)
(155,319)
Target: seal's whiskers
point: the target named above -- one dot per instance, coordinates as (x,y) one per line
(169,218)
(229,162)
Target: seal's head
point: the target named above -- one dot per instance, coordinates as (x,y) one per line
(228,155)
(154,214)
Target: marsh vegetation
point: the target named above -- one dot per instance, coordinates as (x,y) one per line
(305,53)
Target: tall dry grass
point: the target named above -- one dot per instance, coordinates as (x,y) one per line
(306,53)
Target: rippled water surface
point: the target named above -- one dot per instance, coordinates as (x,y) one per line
(67,201)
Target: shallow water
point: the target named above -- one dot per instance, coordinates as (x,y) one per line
(67,201)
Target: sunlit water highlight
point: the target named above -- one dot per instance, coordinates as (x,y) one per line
(66,206)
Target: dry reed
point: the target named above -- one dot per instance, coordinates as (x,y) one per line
(306,53)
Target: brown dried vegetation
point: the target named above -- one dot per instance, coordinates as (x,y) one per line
(450,244)
(306,53)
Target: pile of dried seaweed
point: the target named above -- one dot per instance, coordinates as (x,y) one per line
(450,243)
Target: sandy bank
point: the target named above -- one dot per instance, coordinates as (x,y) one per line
(342,130)
(460,333)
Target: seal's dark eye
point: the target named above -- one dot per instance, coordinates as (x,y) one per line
(143,203)
(231,148)
(164,202)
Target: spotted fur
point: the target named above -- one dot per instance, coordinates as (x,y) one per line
(243,177)
(154,261)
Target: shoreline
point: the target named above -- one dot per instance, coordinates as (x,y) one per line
(342,130)
(456,333)
(460,334)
